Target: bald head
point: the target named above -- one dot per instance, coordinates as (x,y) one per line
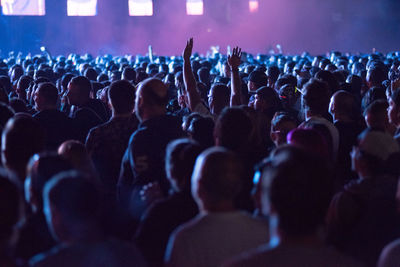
(216,177)
(342,104)
(151,99)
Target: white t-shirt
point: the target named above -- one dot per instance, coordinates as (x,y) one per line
(210,239)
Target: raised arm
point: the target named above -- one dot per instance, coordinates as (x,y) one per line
(193,95)
(234,62)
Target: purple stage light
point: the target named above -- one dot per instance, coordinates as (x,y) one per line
(253,6)
(23,7)
(194,7)
(82,7)
(140,8)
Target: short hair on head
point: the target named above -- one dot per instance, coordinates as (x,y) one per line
(22,137)
(273,73)
(373,94)
(221,93)
(66,78)
(377,107)
(83,83)
(24,81)
(180,158)
(41,168)
(233,128)
(345,103)
(282,117)
(270,96)
(122,96)
(91,74)
(299,187)
(154,92)
(329,78)
(316,96)
(202,130)
(49,92)
(129,74)
(73,196)
(377,75)
(217,175)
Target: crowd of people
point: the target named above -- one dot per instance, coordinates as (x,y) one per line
(237,160)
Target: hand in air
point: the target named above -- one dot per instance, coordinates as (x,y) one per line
(187,53)
(234,60)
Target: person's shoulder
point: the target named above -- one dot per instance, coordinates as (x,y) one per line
(48,258)
(390,255)
(186,229)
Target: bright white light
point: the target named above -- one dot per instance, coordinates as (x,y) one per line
(82,7)
(194,7)
(140,8)
(253,6)
(23,8)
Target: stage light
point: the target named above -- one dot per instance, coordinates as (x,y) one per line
(253,6)
(82,7)
(140,8)
(194,7)
(23,8)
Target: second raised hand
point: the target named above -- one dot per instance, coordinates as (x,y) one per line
(187,53)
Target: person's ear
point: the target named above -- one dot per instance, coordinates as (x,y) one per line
(273,137)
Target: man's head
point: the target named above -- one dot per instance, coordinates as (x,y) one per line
(40,169)
(79,89)
(273,73)
(121,96)
(316,97)
(151,99)
(46,97)
(297,186)
(256,80)
(376,115)
(343,106)
(374,148)
(216,179)
(218,98)
(71,204)
(129,74)
(233,129)
(180,157)
(22,138)
(22,85)
(281,125)
(375,76)
(266,99)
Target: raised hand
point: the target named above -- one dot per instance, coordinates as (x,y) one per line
(187,53)
(234,60)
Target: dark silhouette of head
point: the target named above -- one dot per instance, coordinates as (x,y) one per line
(22,138)
(121,96)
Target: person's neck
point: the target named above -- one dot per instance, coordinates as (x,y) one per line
(151,115)
(310,115)
(48,107)
(84,233)
(223,206)
(120,115)
(312,240)
(341,118)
